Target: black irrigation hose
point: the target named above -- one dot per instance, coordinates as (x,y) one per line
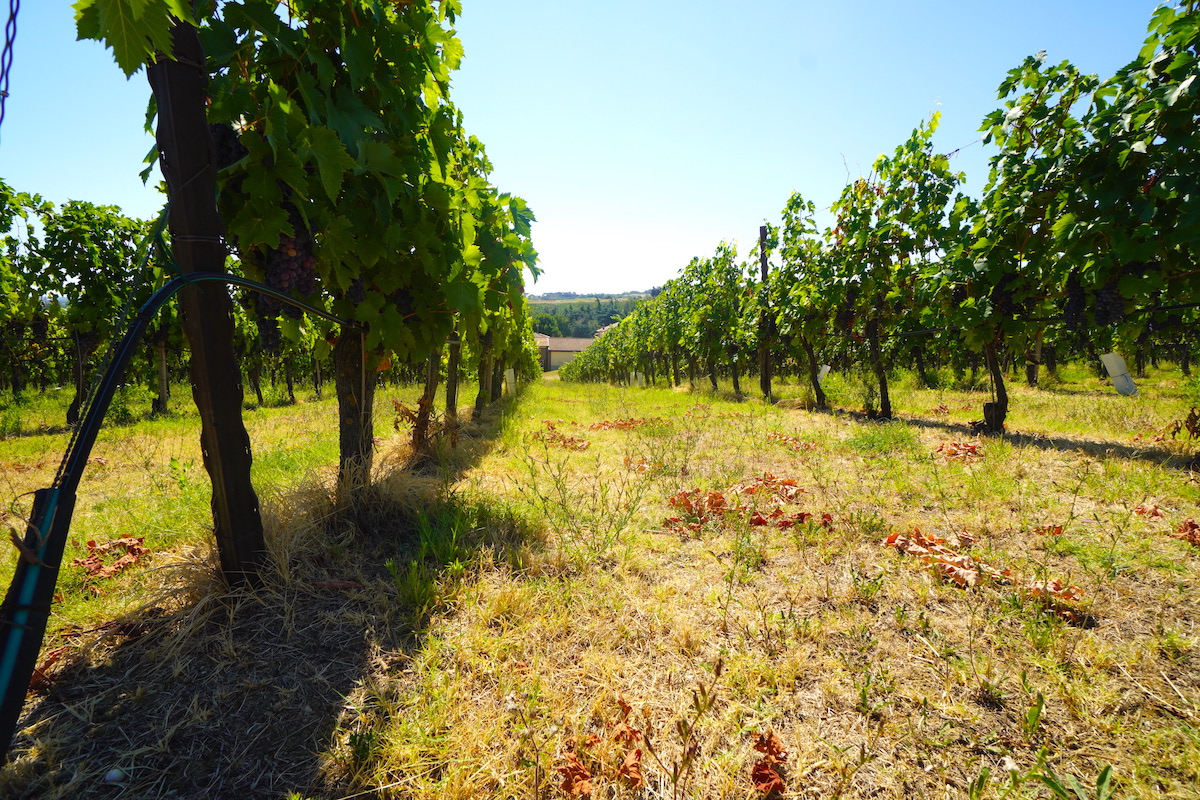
(6,53)
(26,608)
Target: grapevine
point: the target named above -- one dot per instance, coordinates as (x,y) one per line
(227,148)
(1109,307)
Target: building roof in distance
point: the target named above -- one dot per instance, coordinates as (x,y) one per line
(569,344)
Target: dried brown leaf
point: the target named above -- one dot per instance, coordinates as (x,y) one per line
(766,779)
(768,744)
(631,769)
(577,779)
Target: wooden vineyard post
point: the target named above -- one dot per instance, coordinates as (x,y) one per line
(995,412)
(186,157)
(485,372)
(764,321)
(354,378)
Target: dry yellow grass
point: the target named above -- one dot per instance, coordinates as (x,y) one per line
(500,618)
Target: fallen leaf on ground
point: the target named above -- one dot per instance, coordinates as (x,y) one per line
(40,679)
(1188,531)
(631,769)
(621,424)
(791,441)
(553,437)
(961,569)
(768,744)
(577,779)
(94,563)
(766,779)
(959,451)
(625,733)
(1055,588)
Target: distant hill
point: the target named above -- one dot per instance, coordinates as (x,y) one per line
(581,315)
(572,297)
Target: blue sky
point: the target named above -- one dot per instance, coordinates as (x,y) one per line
(642,134)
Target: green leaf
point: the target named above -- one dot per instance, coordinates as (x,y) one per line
(262,228)
(463,296)
(1062,225)
(379,157)
(1185,87)
(87,20)
(357,51)
(134,38)
(325,148)
(291,329)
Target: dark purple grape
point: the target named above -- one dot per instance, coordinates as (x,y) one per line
(227,148)
(1075,303)
(1109,306)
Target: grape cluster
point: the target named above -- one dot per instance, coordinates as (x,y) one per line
(1075,304)
(1109,307)
(357,292)
(403,301)
(291,267)
(227,148)
(268,331)
(1002,296)
(958,295)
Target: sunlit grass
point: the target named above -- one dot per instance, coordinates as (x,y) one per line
(514,604)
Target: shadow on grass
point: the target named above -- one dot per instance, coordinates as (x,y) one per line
(206,693)
(1090,447)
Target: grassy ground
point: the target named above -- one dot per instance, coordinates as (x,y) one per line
(626,591)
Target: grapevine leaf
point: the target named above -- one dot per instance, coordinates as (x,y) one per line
(463,296)
(291,329)
(379,157)
(1185,87)
(87,20)
(260,225)
(333,162)
(337,242)
(132,37)
(219,39)
(357,50)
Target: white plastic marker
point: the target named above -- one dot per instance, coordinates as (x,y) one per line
(823,372)
(1122,381)
(510,380)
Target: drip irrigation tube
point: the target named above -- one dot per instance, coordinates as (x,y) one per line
(26,608)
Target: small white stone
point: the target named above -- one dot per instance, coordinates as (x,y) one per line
(114,776)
